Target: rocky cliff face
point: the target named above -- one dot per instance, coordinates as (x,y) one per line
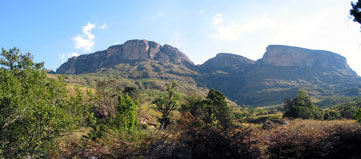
(130,52)
(228,63)
(288,56)
(279,74)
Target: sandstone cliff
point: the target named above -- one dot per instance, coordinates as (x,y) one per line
(130,52)
(288,56)
(279,74)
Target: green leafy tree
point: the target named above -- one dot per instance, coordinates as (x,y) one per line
(356,11)
(301,107)
(34,111)
(126,113)
(216,109)
(166,103)
(213,110)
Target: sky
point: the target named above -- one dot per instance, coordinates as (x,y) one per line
(54,31)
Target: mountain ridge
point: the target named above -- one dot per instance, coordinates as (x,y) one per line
(269,80)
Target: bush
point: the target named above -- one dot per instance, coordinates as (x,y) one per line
(301,107)
(332,115)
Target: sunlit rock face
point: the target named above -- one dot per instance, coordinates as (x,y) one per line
(130,52)
(288,56)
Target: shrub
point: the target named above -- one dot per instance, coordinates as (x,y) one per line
(301,107)
(332,115)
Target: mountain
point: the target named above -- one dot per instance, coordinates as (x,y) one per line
(130,52)
(268,81)
(143,64)
(227,62)
(282,71)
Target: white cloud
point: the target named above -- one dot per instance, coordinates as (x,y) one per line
(218,19)
(86,40)
(103,27)
(86,30)
(83,43)
(201,11)
(159,14)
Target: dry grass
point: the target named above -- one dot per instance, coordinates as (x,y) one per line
(311,139)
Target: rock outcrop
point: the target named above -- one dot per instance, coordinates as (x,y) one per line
(279,74)
(288,56)
(130,52)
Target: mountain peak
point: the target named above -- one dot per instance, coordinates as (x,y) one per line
(290,56)
(129,52)
(227,62)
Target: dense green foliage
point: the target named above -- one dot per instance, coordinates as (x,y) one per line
(34,111)
(213,110)
(126,113)
(216,109)
(301,107)
(331,115)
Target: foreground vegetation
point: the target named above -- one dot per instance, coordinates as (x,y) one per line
(43,117)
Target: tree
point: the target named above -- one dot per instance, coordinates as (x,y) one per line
(356,11)
(166,103)
(301,107)
(216,109)
(34,111)
(126,113)
(213,110)
(116,110)
(331,115)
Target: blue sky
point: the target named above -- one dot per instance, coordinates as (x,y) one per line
(56,30)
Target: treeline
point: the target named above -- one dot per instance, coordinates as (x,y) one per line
(302,107)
